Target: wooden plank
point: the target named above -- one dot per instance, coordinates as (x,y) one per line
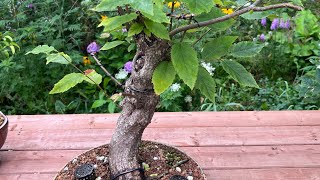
(189,119)
(27,176)
(196,136)
(209,158)
(265,174)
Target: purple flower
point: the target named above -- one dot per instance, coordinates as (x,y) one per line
(30,6)
(287,24)
(264,21)
(275,24)
(282,24)
(93,48)
(124,30)
(128,66)
(262,37)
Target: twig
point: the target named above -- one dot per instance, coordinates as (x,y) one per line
(235,14)
(106,71)
(184,32)
(201,37)
(171,19)
(86,76)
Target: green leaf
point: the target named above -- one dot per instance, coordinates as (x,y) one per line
(206,84)
(239,73)
(158,16)
(113,23)
(306,24)
(215,13)
(67,82)
(135,28)
(42,49)
(110,5)
(199,6)
(217,47)
(157,29)
(98,103)
(163,76)
(144,6)
(94,76)
(110,45)
(185,62)
(60,58)
(255,15)
(246,49)
(111,107)
(59,106)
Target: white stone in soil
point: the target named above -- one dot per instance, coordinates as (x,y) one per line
(190,177)
(178,169)
(98,178)
(66,169)
(100,158)
(74,160)
(95,166)
(155,158)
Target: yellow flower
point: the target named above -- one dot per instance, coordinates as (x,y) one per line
(176,4)
(227,10)
(86,60)
(103,17)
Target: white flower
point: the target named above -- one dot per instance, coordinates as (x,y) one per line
(208,67)
(122,74)
(175,87)
(188,99)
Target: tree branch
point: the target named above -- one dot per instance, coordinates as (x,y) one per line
(235,14)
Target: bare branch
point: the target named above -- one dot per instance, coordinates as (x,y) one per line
(235,14)
(106,71)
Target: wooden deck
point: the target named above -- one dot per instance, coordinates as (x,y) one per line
(228,145)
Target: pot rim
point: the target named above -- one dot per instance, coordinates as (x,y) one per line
(5,120)
(165,144)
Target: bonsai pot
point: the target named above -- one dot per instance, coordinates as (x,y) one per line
(3,128)
(159,161)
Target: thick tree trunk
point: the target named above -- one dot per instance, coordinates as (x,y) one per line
(138,109)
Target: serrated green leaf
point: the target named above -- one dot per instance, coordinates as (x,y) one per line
(113,23)
(215,13)
(206,84)
(199,6)
(306,24)
(144,6)
(163,77)
(67,82)
(239,73)
(135,28)
(110,45)
(42,49)
(217,48)
(110,5)
(60,58)
(185,62)
(94,76)
(158,16)
(157,29)
(98,103)
(246,49)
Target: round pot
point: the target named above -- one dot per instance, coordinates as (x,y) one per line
(91,157)
(3,129)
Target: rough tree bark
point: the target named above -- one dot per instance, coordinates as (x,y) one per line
(138,109)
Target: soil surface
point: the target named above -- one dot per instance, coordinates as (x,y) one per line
(159,162)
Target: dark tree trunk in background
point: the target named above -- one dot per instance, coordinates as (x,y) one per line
(138,109)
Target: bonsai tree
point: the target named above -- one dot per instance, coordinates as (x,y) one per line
(161,32)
